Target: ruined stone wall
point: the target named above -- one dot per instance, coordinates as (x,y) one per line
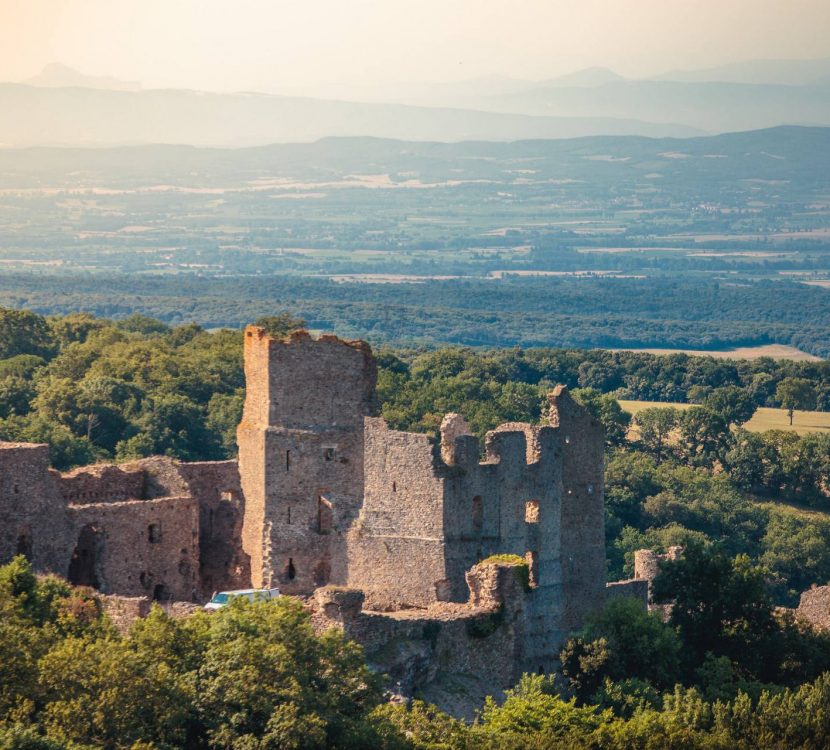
(301,455)
(484,637)
(647,566)
(582,531)
(216,487)
(144,479)
(396,545)
(510,503)
(647,562)
(632,588)
(814,607)
(33,517)
(125,610)
(137,548)
(105,483)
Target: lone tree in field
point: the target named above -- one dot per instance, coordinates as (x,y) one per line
(795,393)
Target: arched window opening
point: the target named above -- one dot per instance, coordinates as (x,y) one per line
(83,567)
(160,593)
(325,515)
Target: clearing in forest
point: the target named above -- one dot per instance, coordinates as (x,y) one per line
(764,419)
(776,351)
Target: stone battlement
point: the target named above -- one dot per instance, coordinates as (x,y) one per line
(388,534)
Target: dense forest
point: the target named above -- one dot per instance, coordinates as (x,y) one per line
(725,671)
(728,670)
(697,313)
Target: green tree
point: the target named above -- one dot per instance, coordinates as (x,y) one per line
(138,323)
(795,393)
(280,324)
(640,644)
(655,426)
(721,606)
(24,332)
(608,411)
(266,681)
(703,434)
(532,709)
(733,403)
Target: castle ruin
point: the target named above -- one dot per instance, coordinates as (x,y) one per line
(385,533)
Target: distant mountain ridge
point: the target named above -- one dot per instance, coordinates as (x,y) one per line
(64,107)
(779,72)
(795,155)
(94,117)
(57,75)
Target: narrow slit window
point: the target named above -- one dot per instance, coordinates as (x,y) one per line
(532,511)
(287,460)
(154,533)
(478,513)
(532,560)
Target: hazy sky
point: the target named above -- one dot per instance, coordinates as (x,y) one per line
(277,44)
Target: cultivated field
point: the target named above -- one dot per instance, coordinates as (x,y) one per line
(764,419)
(776,351)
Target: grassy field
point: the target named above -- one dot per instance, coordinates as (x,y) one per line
(764,419)
(776,351)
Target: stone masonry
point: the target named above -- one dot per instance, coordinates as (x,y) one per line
(383,531)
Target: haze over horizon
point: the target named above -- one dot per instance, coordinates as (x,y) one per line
(337,47)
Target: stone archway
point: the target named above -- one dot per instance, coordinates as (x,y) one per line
(86,559)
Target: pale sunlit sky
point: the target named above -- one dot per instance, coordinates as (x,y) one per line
(273,44)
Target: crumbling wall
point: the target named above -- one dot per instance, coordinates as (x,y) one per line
(510,503)
(633,588)
(216,487)
(125,610)
(301,454)
(582,441)
(647,562)
(396,544)
(162,476)
(647,566)
(814,607)
(103,483)
(33,518)
(483,637)
(137,548)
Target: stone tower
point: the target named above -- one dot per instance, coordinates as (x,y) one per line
(582,524)
(301,455)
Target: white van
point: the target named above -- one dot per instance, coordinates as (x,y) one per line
(221,598)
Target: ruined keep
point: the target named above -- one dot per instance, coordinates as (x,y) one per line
(387,533)
(334,496)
